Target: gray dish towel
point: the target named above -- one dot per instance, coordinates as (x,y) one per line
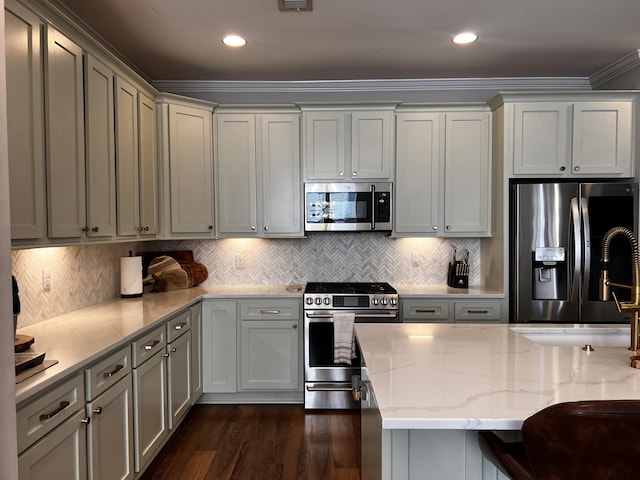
(344,345)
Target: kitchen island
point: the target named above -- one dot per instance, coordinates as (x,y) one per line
(430,387)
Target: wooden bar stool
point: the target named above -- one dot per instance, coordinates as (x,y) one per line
(597,440)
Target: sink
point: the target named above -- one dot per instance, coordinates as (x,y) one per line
(605,336)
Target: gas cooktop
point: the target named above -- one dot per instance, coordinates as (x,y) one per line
(354,288)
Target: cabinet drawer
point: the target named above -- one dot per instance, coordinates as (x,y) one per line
(107,372)
(39,416)
(475,311)
(425,311)
(148,345)
(270,310)
(178,325)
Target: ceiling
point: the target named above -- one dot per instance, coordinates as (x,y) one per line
(364,39)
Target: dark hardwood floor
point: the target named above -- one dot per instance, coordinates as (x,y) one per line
(255,442)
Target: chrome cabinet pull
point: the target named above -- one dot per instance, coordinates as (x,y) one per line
(149,346)
(47,416)
(180,326)
(270,312)
(484,312)
(425,310)
(86,420)
(114,371)
(97,410)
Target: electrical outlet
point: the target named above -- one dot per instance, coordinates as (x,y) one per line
(46,280)
(415,259)
(241,261)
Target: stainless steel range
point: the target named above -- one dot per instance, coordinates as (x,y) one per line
(328,383)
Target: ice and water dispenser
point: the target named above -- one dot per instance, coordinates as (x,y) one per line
(549,273)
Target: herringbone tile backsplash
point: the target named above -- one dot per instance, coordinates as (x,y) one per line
(89,274)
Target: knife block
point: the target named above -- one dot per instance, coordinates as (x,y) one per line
(458,275)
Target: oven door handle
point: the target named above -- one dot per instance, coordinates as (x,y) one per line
(357,315)
(329,389)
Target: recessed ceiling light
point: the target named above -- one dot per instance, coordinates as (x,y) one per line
(234,41)
(464,38)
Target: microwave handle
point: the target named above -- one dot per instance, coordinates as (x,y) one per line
(373,207)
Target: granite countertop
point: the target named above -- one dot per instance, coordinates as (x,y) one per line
(476,377)
(78,338)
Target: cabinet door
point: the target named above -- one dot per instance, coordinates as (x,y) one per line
(371,145)
(281,184)
(269,355)
(62,453)
(236,174)
(219,334)
(419,149)
(179,375)
(190,169)
(148,165)
(467,174)
(150,409)
(110,433)
(65,137)
(127,156)
(325,147)
(602,139)
(541,138)
(100,143)
(196,352)
(25,115)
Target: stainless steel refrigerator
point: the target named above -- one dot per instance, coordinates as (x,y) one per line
(555,245)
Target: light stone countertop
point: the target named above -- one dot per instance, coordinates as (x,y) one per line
(408,291)
(78,338)
(476,377)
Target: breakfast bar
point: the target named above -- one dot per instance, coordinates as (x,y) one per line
(428,388)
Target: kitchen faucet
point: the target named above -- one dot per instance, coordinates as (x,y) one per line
(634,305)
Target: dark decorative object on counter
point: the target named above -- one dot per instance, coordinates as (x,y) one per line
(458,274)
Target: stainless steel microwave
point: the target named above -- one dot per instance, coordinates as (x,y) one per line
(348,207)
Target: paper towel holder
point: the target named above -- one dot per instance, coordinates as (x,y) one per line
(131,285)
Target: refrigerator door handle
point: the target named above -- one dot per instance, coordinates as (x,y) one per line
(586,243)
(574,232)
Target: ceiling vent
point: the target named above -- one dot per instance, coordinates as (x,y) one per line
(295,5)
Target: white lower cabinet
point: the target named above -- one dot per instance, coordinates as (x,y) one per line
(110,433)
(52,434)
(196,351)
(269,354)
(179,377)
(150,416)
(252,348)
(219,339)
(442,310)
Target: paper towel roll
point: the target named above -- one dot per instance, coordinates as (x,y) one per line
(130,277)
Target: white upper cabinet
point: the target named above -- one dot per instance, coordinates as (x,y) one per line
(258,181)
(64,127)
(148,165)
(348,143)
(100,144)
(25,115)
(187,167)
(589,135)
(443,165)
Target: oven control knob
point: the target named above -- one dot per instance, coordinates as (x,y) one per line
(318,300)
(383,301)
(309,301)
(327,301)
(393,301)
(375,301)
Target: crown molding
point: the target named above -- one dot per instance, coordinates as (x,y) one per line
(615,69)
(190,87)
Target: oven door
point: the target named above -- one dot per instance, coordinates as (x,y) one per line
(329,385)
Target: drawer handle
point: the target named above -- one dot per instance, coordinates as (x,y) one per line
(47,416)
(114,371)
(149,346)
(180,326)
(97,410)
(484,312)
(424,310)
(270,312)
